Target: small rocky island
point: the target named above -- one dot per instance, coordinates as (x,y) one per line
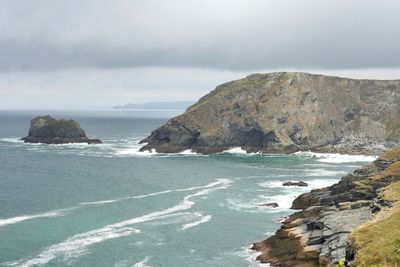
(47,130)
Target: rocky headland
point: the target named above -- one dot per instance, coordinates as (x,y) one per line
(355,220)
(47,130)
(286,112)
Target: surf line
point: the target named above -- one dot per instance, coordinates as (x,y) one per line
(65,211)
(76,245)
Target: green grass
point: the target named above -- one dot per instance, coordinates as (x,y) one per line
(377,243)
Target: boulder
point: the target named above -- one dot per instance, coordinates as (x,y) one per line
(299,183)
(47,130)
(270,205)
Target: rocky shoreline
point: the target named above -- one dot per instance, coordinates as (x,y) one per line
(318,234)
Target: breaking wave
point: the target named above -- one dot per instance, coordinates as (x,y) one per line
(77,245)
(336,158)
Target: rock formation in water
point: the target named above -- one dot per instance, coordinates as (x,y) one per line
(318,235)
(286,112)
(45,129)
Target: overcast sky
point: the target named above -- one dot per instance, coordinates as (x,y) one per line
(98,53)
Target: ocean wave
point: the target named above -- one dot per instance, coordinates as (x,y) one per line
(100,202)
(62,212)
(77,245)
(248,255)
(142,263)
(323,172)
(336,158)
(21,218)
(240,151)
(202,219)
(187,152)
(11,140)
(135,151)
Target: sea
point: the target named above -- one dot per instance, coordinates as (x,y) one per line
(111,205)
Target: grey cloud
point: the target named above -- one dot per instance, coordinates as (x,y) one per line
(238,35)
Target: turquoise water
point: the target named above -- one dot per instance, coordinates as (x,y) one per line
(109,205)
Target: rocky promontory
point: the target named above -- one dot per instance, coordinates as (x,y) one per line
(354,220)
(286,112)
(47,130)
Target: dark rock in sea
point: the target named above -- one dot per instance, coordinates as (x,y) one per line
(318,234)
(47,130)
(270,205)
(287,112)
(299,183)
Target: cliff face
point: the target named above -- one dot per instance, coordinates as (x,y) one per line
(45,129)
(318,235)
(286,112)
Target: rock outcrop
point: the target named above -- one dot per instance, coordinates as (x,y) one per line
(299,183)
(286,112)
(318,234)
(47,130)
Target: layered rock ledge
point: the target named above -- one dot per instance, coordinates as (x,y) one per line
(47,130)
(287,112)
(318,234)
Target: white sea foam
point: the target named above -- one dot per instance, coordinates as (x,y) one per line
(101,202)
(61,212)
(249,255)
(187,152)
(78,244)
(235,150)
(323,172)
(252,256)
(75,246)
(284,201)
(11,140)
(336,158)
(135,151)
(239,151)
(142,263)
(202,219)
(21,218)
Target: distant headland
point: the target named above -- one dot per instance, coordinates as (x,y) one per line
(156,105)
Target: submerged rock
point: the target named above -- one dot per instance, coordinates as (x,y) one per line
(271,205)
(287,112)
(299,183)
(47,130)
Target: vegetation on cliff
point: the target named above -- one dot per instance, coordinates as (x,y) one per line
(377,242)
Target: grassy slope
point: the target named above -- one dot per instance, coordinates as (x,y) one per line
(377,242)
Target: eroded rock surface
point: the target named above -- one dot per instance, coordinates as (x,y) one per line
(286,112)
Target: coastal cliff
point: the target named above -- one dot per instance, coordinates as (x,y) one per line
(355,220)
(287,112)
(47,130)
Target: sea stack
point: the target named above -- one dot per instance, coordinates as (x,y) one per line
(47,130)
(285,112)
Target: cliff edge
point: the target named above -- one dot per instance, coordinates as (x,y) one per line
(286,112)
(47,130)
